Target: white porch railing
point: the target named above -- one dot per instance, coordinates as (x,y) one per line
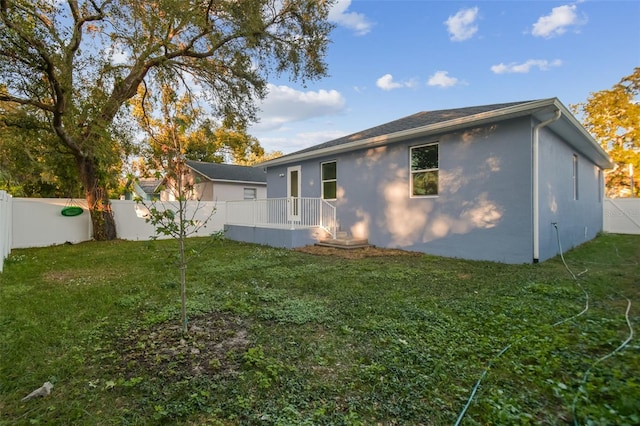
(286,213)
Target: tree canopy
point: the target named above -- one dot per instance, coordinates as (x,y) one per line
(613,117)
(73,65)
(175,125)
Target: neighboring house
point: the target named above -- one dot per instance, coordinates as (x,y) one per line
(223,182)
(504,182)
(144,188)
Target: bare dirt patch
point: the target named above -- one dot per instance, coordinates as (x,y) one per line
(213,346)
(356,253)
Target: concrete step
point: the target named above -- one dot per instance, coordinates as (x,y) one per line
(344,241)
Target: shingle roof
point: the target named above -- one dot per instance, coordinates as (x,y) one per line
(228,172)
(432,123)
(419,119)
(149,185)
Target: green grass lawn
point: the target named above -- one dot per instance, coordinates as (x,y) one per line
(280,337)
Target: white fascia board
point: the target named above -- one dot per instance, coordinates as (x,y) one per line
(199,173)
(445,126)
(248,182)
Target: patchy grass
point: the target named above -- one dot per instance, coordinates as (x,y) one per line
(287,337)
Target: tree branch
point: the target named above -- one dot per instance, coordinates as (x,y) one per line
(31,102)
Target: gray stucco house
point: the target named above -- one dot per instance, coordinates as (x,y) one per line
(494,182)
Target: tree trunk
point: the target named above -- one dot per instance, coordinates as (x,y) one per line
(104,226)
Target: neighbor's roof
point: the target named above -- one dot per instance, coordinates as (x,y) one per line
(228,172)
(434,122)
(149,185)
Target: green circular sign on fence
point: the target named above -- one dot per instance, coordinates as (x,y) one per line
(72,211)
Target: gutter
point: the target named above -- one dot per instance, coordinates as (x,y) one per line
(536,183)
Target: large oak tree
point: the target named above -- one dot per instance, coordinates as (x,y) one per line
(78,62)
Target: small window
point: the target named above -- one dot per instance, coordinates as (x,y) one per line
(424,170)
(329,180)
(250,193)
(575,177)
(600,184)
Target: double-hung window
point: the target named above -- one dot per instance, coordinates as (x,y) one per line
(424,170)
(329,180)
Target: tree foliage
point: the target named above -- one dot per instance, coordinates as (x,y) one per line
(33,164)
(169,134)
(613,117)
(31,170)
(168,116)
(76,63)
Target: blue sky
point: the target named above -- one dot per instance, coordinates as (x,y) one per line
(389,59)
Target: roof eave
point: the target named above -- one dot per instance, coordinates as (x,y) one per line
(575,135)
(540,109)
(445,126)
(239,181)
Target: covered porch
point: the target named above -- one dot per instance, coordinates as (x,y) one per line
(281,222)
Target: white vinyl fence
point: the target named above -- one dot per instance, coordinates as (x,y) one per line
(5,226)
(38,222)
(622,215)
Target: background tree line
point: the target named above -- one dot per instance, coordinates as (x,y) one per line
(69,70)
(612,116)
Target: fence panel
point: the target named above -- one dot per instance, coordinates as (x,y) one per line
(131,223)
(38,222)
(6,209)
(622,215)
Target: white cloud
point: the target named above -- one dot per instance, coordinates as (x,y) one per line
(461,26)
(557,22)
(525,67)
(442,79)
(116,54)
(352,20)
(386,82)
(298,140)
(285,105)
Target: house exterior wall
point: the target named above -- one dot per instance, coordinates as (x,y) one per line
(227,191)
(284,238)
(206,190)
(483,209)
(577,220)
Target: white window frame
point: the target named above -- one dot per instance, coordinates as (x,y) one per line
(412,172)
(323,180)
(254,190)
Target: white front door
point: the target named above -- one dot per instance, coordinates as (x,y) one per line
(293,193)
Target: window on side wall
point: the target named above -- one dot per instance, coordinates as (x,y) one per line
(600,184)
(250,193)
(575,177)
(424,170)
(329,180)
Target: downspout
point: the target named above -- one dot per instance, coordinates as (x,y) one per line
(536,184)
